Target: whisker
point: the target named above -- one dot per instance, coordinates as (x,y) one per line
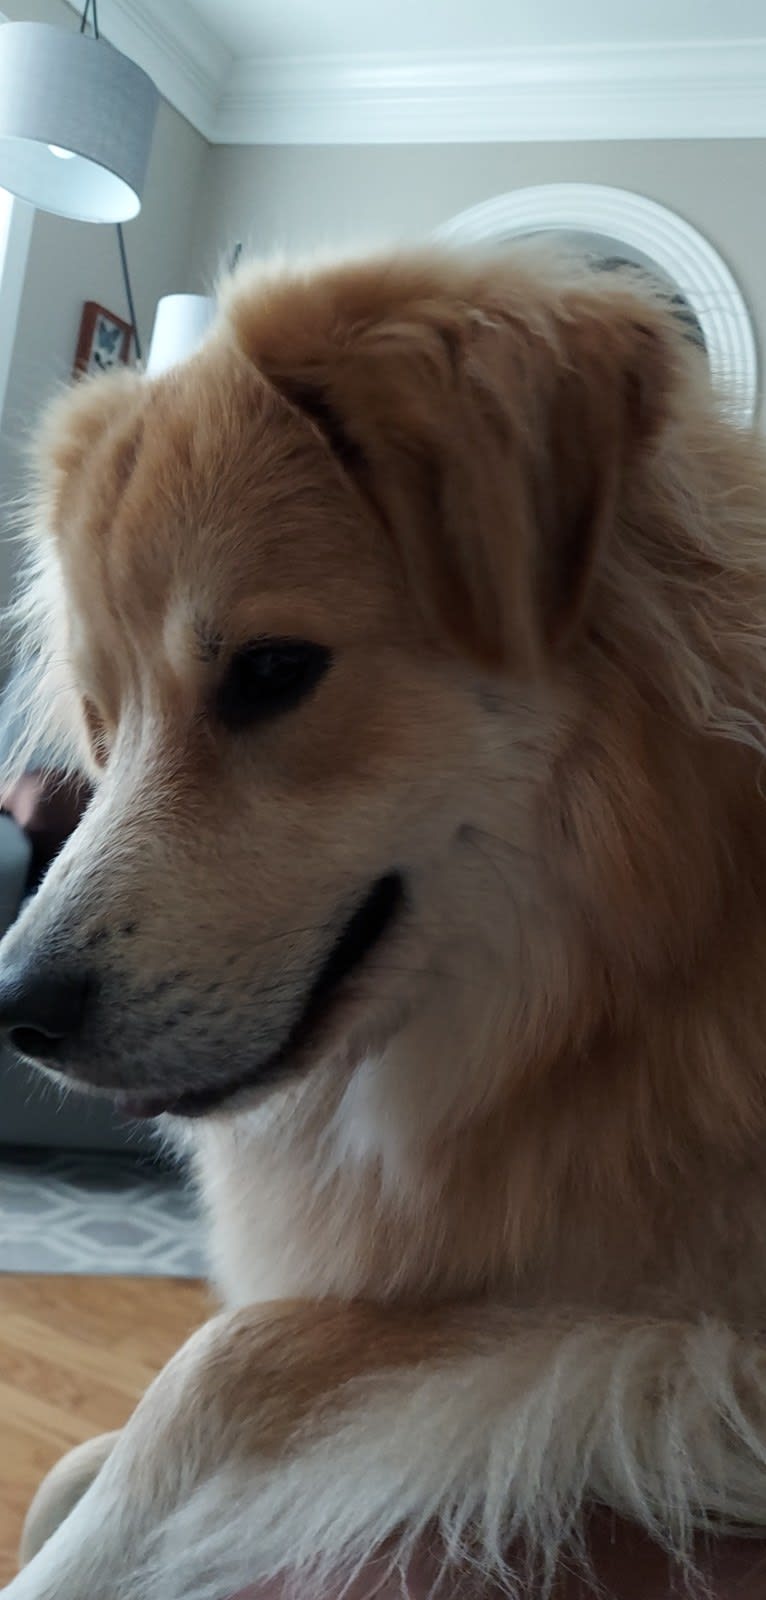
(432,972)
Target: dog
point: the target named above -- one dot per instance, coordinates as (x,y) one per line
(413,637)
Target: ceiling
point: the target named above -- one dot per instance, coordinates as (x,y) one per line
(409,71)
(268,28)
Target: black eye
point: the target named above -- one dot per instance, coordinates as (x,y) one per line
(269,677)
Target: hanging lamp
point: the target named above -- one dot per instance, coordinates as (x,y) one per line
(76,122)
(76,125)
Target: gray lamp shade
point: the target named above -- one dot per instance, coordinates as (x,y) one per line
(76,123)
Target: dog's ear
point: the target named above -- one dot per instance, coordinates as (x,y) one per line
(492,431)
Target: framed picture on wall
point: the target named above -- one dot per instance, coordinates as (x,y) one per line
(104,340)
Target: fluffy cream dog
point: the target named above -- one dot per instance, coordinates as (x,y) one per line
(414,634)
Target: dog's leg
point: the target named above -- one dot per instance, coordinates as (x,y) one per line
(300,1433)
(60,1491)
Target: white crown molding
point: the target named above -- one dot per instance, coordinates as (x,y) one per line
(692,90)
(664,92)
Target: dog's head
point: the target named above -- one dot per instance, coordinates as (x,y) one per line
(312,611)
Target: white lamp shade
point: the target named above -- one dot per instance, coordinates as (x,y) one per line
(76,95)
(180,325)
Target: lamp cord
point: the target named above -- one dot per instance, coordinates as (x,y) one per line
(129,292)
(120,236)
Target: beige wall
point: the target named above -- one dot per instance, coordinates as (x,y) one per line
(300,197)
(71,262)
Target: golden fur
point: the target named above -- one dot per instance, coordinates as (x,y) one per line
(531,1134)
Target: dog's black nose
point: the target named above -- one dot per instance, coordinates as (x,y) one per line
(40,1009)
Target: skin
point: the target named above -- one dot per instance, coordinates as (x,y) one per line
(628,1566)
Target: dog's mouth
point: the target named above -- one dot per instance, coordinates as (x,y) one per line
(362,934)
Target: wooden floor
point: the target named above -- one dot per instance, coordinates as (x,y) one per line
(75,1355)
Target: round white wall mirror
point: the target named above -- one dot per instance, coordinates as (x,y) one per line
(615,227)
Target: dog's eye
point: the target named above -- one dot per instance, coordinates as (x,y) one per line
(269,677)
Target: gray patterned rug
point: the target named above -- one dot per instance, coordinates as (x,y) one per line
(96,1214)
